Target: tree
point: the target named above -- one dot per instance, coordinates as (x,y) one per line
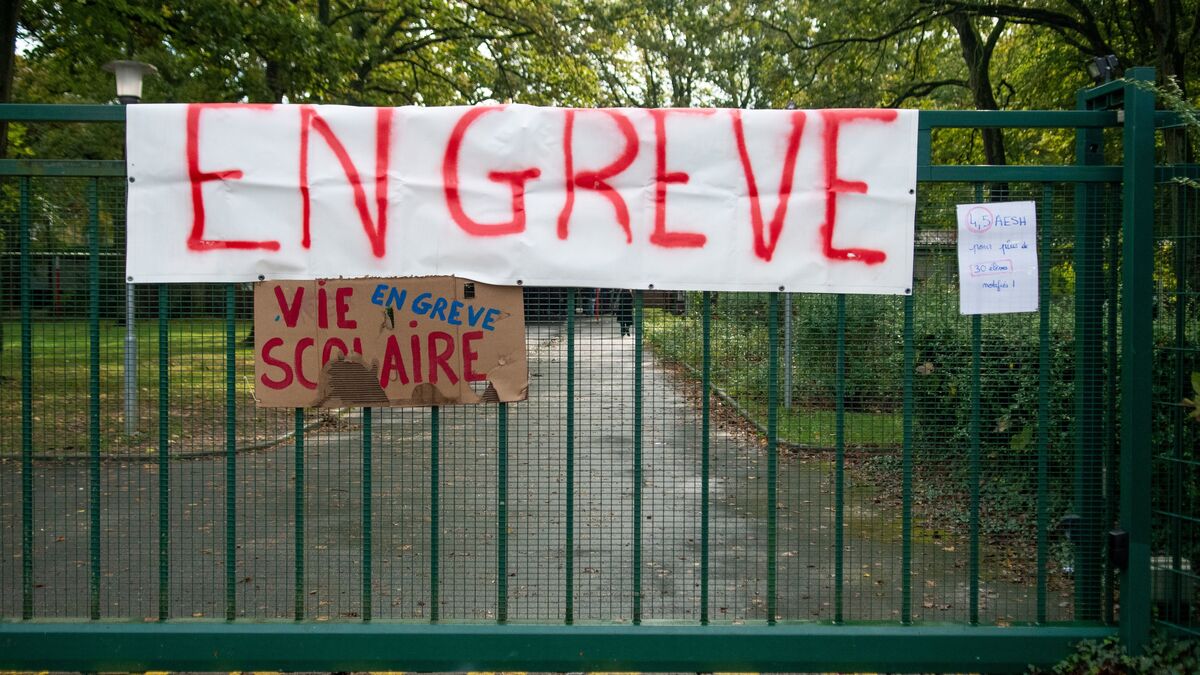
(8,46)
(1162,33)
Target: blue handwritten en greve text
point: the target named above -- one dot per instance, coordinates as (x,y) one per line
(453,312)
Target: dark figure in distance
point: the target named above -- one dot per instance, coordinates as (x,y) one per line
(624,309)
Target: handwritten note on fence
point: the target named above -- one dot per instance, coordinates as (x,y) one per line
(997,258)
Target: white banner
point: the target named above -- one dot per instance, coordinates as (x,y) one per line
(696,199)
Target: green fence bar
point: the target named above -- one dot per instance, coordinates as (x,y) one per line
(569,535)
(502,513)
(1112,395)
(772,456)
(1046,211)
(1137,355)
(230,452)
(435,425)
(705,449)
(93,237)
(367,567)
(1011,119)
(62,168)
(637,455)
(974,467)
(906,515)
(164,450)
(353,647)
(839,479)
(56,112)
(1088,425)
(298,508)
(1179,391)
(974,477)
(26,405)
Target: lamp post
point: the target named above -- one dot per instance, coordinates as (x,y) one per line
(129,79)
(1103,69)
(129,76)
(787,334)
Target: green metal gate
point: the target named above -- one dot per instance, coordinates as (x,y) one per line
(747,482)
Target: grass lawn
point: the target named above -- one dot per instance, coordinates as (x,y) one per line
(197,391)
(61,394)
(738,355)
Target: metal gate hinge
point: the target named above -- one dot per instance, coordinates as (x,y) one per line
(1118,549)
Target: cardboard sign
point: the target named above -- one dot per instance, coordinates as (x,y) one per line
(695,199)
(388,342)
(997,258)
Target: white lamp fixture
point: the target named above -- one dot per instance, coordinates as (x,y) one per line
(129,78)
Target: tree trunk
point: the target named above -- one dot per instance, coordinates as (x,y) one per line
(978,57)
(8,33)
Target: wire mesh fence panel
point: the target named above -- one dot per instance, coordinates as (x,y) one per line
(1176,501)
(696,457)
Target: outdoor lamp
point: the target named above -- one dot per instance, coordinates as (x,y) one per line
(1103,68)
(129,91)
(129,78)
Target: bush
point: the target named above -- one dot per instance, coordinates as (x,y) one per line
(1163,656)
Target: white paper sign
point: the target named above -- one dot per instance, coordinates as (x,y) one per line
(697,199)
(997,258)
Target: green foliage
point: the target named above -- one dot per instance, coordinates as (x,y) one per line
(1163,656)
(363,52)
(1009,394)
(1193,402)
(1009,401)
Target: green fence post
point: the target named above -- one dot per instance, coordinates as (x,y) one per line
(1137,354)
(569,535)
(230,452)
(26,404)
(164,456)
(907,478)
(367,569)
(93,237)
(1046,215)
(1180,449)
(435,422)
(1088,425)
(298,507)
(705,447)
(772,457)
(1111,397)
(974,467)
(502,514)
(839,479)
(974,464)
(637,455)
